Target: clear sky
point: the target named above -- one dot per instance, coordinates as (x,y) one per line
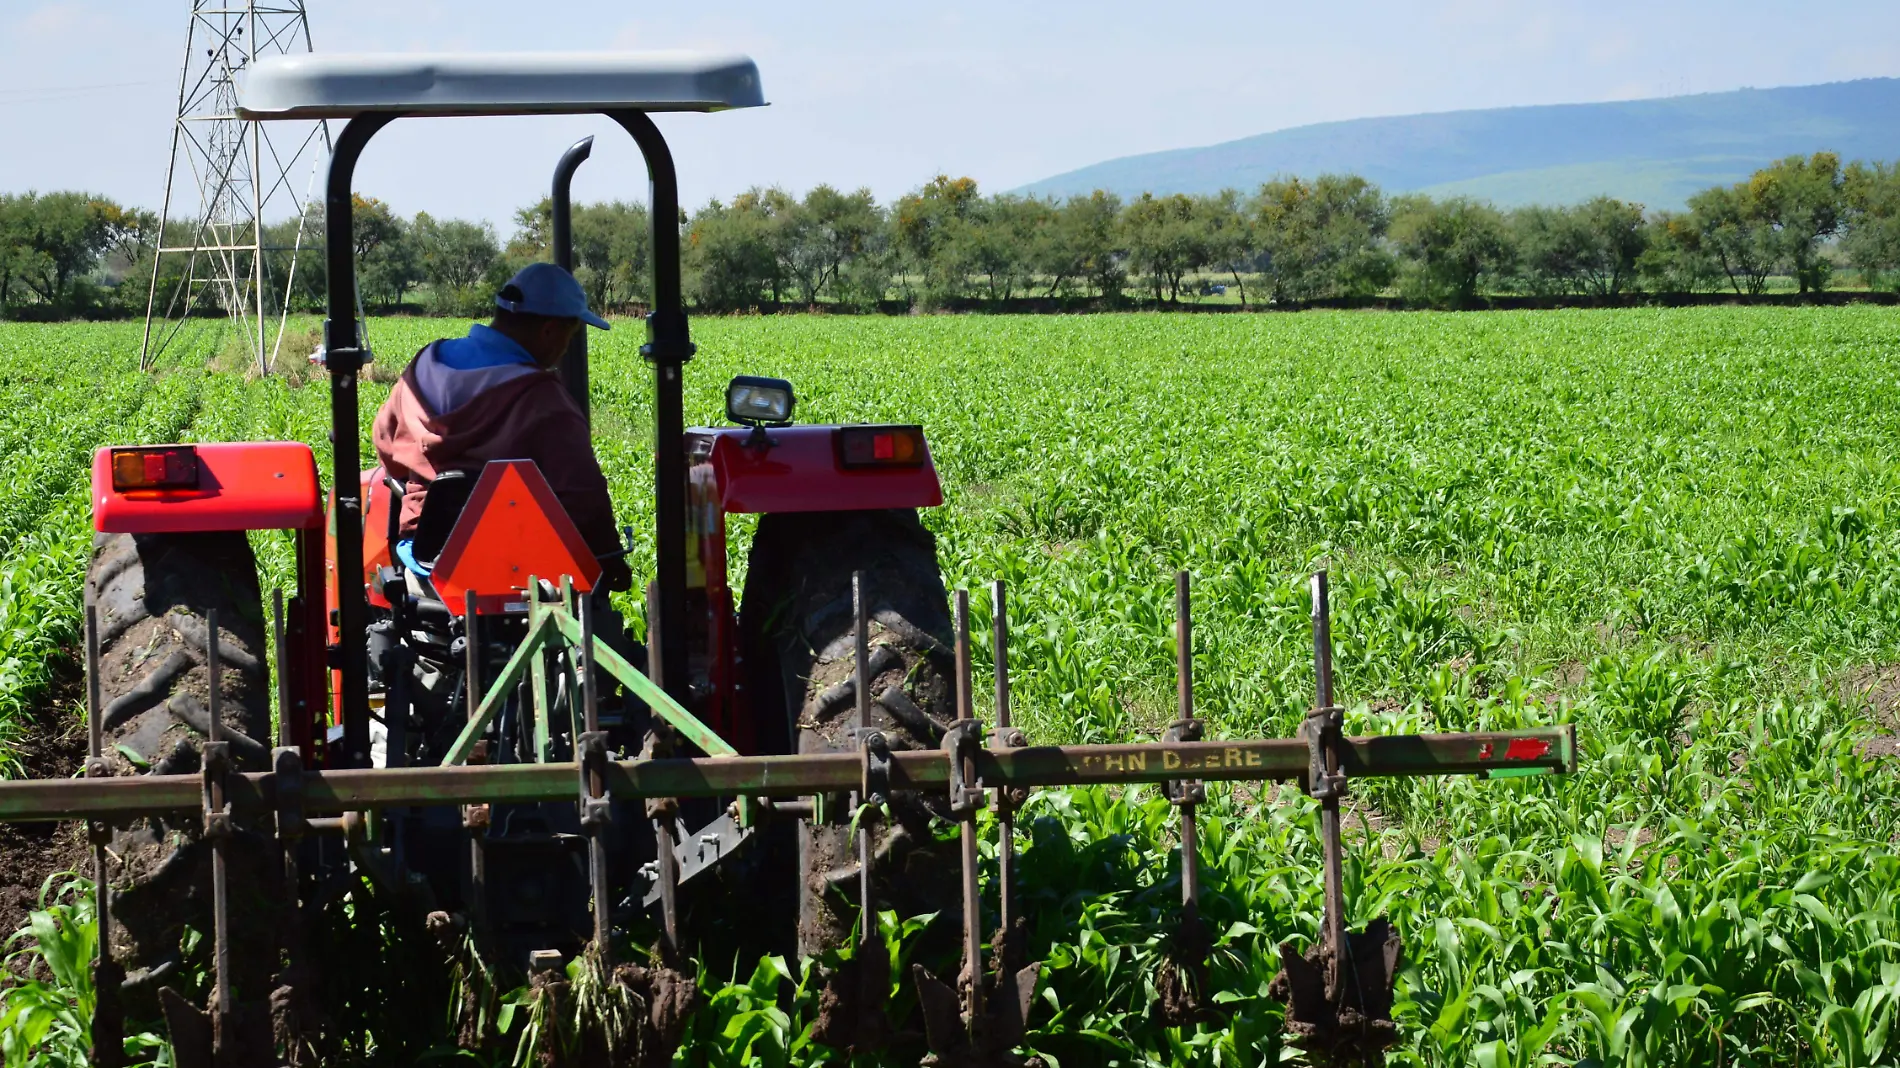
(887,94)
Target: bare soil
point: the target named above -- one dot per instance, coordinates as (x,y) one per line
(1572,674)
(54,747)
(1876,687)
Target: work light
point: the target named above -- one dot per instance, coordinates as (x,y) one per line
(756,402)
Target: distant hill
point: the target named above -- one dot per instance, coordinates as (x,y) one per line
(1655,152)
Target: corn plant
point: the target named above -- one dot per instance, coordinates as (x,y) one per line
(47,1018)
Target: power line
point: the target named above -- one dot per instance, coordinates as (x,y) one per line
(46,92)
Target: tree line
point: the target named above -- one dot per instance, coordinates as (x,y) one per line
(946,244)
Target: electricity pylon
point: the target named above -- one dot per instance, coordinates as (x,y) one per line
(242,177)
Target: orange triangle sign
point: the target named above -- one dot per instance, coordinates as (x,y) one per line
(512,527)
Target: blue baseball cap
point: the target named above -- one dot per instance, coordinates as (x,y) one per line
(546,289)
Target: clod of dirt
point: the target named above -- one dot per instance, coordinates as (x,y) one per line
(1181,985)
(297,1022)
(956,1040)
(851,1008)
(670,997)
(1343,1020)
(206,1039)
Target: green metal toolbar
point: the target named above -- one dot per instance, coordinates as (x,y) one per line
(1542,750)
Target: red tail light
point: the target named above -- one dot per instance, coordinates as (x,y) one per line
(881,446)
(157,468)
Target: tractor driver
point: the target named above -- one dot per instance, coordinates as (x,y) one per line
(493,395)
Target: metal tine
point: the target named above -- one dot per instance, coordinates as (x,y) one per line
(669,881)
(570,675)
(1335,894)
(108,1028)
(972,902)
(216,672)
(590,698)
(287,831)
(664,810)
(861,633)
(472,686)
(471,654)
(596,845)
(1005,811)
(1184,697)
(283,677)
(543,707)
(220,894)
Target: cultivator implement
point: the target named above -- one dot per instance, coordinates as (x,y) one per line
(1338,991)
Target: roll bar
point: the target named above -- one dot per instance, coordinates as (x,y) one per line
(668,348)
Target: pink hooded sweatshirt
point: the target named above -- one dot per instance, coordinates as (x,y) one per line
(496,413)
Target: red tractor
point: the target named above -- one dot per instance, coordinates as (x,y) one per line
(445,735)
(376,665)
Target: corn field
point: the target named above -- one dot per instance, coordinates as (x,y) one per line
(1679,529)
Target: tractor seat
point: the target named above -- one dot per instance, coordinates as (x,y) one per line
(441,507)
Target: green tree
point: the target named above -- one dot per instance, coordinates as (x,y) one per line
(130,246)
(732,254)
(1322,238)
(613,252)
(457,257)
(928,232)
(862,280)
(783,216)
(13,243)
(1674,259)
(1229,236)
(56,239)
(388,260)
(296,259)
(820,234)
(1871,222)
(1732,230)
(131,235)
(1077,246)
(372,225)
(1000,239)
(1777,220)
(835,230)
(1803,199)
(613,248)
(1589,248)
(1165,241)
(1452,247)
(534,233)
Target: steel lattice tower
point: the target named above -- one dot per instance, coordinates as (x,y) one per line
(243,176)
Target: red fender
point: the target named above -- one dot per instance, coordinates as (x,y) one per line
(239,485)
(236,485)
(803,471)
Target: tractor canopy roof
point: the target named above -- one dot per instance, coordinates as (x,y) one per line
(339,85)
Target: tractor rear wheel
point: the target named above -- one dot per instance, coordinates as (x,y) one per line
(798,631)
(153,594)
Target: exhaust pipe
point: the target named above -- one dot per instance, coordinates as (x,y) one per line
(573,370)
